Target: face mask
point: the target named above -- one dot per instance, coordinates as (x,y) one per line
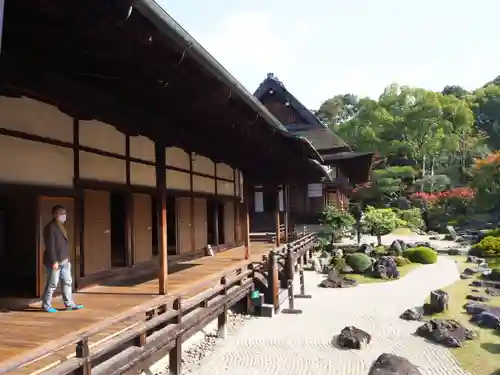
(62,218)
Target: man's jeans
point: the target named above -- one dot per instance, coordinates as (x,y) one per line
(63,272)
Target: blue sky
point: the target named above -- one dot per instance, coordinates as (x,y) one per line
(320,48)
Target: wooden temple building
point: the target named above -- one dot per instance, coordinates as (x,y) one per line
(112,110)
(305,201)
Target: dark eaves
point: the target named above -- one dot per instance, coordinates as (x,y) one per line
(168,26)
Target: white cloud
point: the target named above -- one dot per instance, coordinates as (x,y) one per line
(248,45)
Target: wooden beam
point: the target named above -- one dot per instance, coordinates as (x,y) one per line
(161,209)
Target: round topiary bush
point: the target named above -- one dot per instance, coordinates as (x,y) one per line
(422,255)
(359,262)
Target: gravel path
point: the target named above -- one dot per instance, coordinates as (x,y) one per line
(302,344)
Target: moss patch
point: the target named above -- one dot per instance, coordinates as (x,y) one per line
(479,356)
(368,279)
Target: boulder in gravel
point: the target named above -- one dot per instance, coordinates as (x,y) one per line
(335,280)
(353,338)
(446,332)
(390,364)
(463,276)
(411,314)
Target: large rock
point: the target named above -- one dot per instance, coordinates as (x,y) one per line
(366,249)
(493,292)
(397,248)
(447,332)
(473,297)
(486,319)
(335,280)
(411,314)
(385,268)
(353,338)
(439,302)
(390,364)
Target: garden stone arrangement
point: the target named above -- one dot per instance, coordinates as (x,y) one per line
(335,280)
(376,262)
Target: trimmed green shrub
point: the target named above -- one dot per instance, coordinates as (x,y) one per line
(493,233)
(412,217)
(489,246)
(337,262)
(359,262)
(422,255)
(402,261)
(381,249)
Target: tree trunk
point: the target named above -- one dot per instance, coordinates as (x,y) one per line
(379,239)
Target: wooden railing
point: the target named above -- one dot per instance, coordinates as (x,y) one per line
(279,268)
(163,322)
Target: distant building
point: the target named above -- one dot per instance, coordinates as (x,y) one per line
(306,201)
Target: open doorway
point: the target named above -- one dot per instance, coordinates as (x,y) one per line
(212,220)
(220,223)
(118,203)
(171,226)
(18,257)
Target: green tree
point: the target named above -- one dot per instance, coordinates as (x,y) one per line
(338,109)
(486,105)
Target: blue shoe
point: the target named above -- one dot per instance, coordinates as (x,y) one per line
(50,310)
(74,307)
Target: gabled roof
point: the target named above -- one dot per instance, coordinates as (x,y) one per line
(309,126)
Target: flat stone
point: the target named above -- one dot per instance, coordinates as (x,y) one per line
(446,332)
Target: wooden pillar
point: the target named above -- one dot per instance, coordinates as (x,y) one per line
(277,217)
(161,209)
(246,223)
(286,209)
(216,223)
(272,296)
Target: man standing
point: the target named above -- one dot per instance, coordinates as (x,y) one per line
(56,259)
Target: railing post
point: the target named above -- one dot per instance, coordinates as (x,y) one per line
(175,354)
(291,301)
(272,296)
(302,286)
(222,318)
(83,351)
(289,263)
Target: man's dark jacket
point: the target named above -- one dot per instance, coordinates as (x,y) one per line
(56,244)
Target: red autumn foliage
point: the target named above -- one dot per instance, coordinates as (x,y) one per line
(463,193)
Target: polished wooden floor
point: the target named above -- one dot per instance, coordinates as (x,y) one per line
(23,331)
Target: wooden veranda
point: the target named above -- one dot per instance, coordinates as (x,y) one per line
(27,332)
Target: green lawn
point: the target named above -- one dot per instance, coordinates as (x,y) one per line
(367,279)
(479,356)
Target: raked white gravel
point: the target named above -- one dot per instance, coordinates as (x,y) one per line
(302,344)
